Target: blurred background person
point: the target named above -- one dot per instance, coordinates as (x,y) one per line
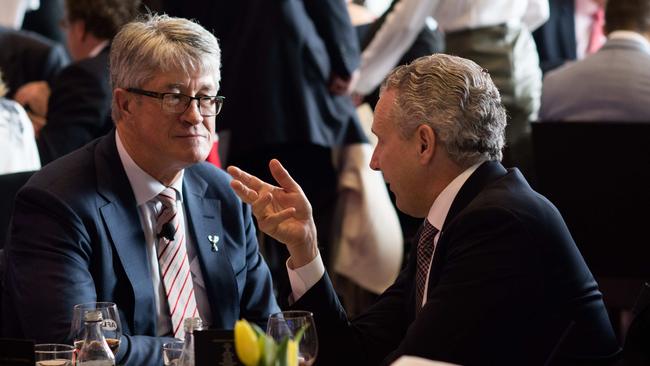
(612,84)
(18,150)
(574,29)
(75,108)
(28,56)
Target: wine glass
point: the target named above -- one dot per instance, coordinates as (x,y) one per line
(287,323)
(53,354)
(111,326)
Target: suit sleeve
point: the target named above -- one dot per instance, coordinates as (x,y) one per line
(77,112)
(368,339)
(333,24)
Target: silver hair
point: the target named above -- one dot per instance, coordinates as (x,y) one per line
(156,44)
(457,99)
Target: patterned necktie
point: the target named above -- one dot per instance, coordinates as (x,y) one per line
(425,251)
(173,262)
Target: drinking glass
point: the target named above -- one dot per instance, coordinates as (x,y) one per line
(172,352)
(111,326)
(53,354)
(287,323)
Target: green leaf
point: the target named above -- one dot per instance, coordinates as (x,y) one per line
(282,353)
(268,350)
(298,336)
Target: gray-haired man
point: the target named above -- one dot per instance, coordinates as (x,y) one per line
(495,278)
(135,218)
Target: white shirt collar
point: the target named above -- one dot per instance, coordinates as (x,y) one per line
(441,205)
(145,187)
(95,51)
(634,36)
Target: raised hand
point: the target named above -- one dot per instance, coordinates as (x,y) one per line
(283,212)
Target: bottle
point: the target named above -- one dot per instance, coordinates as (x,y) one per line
(187,355)
(95,350)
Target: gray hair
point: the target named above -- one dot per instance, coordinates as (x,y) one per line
(159,43)
(457,99)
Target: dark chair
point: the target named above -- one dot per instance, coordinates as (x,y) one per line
(598,176)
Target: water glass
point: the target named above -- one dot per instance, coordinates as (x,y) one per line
(52,354)
(172,352)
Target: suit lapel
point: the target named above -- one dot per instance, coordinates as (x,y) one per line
(204,218)
(122,222)
(485,174)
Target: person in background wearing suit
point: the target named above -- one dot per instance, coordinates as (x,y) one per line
(27,56)
(134,218)
(496,277)
(75,108)
(287,66)
(612,84)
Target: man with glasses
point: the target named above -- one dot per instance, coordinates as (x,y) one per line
(134,217)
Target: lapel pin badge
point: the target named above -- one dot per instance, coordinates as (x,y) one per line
(214,239)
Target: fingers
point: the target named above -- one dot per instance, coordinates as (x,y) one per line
(282,176)
(250,181)
(245,194)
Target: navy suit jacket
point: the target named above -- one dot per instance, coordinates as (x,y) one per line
(278,57)
(506,282)
(79,108)
(76,237)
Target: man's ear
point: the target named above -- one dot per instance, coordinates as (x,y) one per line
(124,102)
(426,141)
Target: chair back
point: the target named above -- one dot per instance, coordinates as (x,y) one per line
(598,176)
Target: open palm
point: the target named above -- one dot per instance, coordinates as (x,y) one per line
(283,211)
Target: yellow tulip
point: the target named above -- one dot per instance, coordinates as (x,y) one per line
(292,353)
(246,344)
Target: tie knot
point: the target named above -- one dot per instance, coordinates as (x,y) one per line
(168,197)
(167,221)
(428,232)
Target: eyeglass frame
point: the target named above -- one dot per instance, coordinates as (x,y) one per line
(147,93)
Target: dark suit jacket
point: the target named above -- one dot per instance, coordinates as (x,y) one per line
(27,56)
(556,39)
(79,108)
(76,237)
(506,282)
(278,57)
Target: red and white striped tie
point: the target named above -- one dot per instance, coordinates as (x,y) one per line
(173,262)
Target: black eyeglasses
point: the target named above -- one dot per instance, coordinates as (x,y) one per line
(178,103)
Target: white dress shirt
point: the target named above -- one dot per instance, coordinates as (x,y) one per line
(303,278)
(408,17)
(146,189)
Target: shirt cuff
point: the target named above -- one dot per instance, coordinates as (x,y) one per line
(305,277)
